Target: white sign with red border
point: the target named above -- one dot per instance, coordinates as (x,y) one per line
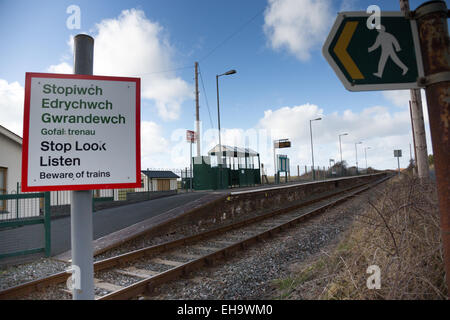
(190,136)
(80,132)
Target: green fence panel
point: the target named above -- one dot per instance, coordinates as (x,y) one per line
(19,220)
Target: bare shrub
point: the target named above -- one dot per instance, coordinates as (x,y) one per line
(399,233)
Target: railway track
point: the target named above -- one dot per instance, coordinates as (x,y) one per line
(141,271)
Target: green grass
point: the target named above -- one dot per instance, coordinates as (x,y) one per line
(287,285)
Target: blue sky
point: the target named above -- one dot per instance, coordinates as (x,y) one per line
(282,78)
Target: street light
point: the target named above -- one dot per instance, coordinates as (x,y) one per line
(312,150)
(340,146)
(218,118)
(365,154)
(356,152)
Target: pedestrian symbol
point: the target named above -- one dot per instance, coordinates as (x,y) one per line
(382,58)
(387,42)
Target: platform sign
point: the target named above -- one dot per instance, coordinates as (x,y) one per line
(283,163)
(190,136)
(387,58)
(284,143)
(80,132)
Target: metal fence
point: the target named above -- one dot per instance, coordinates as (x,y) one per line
(26,209)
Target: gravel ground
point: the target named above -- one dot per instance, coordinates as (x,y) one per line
(14,275)
(251,274)
(116,278)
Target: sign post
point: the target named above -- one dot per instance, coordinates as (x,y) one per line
(432,19)
(398,154)
(190,137)
(407,59)
(81,132)
(386,57)
(281,143)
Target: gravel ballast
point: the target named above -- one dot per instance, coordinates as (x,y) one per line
(248,276)
(251,273)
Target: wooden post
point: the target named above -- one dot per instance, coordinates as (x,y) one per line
(417,120)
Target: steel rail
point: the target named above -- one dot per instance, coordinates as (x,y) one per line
(149,284)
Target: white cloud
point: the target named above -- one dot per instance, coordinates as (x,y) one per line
(133,45)
(399,98)
(349,5)
(375,126)
(63,67)
(153,145)
(300,26)
(11,106)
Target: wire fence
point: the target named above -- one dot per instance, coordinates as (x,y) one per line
(11,209)
(34,207)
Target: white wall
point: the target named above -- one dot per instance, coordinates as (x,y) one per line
(11,158)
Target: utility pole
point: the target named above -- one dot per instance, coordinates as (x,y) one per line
(81,203)
(191,175)
(417,120)
(414,140)
(197,112)
(435,46)
(312,152)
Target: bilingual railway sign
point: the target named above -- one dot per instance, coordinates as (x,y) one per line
(190,136)
(80,132)
(386,57)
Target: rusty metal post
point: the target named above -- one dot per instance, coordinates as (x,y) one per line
(435,46)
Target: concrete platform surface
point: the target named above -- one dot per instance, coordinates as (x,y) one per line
(105,222)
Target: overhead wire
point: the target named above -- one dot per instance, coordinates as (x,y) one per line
(232,35)
(206,97)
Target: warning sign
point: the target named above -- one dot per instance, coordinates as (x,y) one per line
(80,132)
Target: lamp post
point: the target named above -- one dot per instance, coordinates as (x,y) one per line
(356,153)
(365,154)
(312,149)
(340,145)
(218,119)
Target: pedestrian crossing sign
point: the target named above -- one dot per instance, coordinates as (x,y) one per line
(374,57)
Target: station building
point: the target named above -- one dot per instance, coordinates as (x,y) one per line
(10,160)
(240,167)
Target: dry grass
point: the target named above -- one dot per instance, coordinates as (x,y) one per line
(399,232)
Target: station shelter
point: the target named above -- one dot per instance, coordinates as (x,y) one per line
(237,167)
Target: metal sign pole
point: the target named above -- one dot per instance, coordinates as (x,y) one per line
(81,201)
(274,163)
(191,175)
(434,41)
